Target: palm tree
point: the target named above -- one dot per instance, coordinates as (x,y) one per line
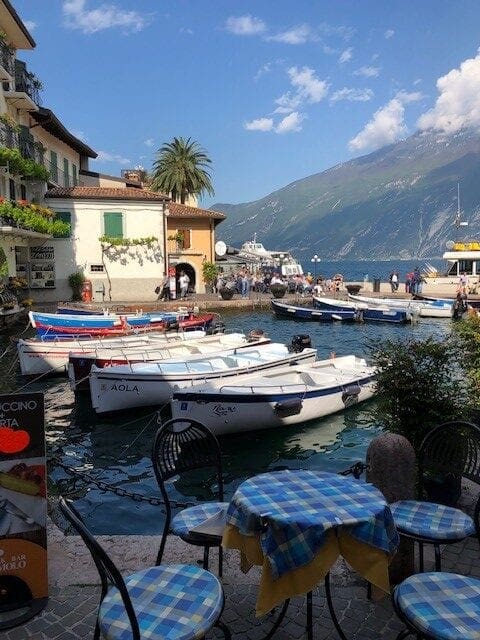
(181,170)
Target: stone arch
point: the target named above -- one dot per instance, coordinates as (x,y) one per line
(190,271)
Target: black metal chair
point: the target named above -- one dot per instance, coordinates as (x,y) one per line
(174,600)
(438,605)
(447,454)
(183,445)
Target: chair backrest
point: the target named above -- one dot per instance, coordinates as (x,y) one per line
(109,574)
(182,445)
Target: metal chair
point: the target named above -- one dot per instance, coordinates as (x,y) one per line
(175,600)
(447,454)
(183,445)
(439,605)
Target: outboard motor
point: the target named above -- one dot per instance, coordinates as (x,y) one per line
(299,343)
(216,327)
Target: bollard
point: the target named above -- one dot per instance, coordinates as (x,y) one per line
(391,467)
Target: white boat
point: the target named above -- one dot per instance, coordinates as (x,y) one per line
(422,308)
(139,385)
(277,398)
(80,363)
(282,260)
(38,356)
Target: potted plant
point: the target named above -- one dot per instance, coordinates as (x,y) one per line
(179,238)
(418,388)
(278,290)
(226,293)
(209,272)
(75,281)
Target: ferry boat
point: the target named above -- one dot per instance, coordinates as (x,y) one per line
(281,260)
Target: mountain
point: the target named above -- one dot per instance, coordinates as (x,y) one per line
(396,203)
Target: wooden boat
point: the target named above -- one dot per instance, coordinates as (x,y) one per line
(364,312)
(138,384)
(277,398)
(37,356)
(424,309)
(51,326)
(472,302)
(295,312)
(80,364)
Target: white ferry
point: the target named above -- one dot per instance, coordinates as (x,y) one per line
(461,257)
(282,260)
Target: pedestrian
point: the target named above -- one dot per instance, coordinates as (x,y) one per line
(394,281)
(463,283)
(165,288)
(245,284)
(183,283)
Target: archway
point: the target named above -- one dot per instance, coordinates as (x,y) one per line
(189,270)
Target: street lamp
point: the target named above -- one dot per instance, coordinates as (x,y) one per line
(315,260)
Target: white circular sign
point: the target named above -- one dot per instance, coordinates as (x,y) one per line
(220,248)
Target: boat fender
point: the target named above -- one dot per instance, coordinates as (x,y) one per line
(289,407)
(350,395)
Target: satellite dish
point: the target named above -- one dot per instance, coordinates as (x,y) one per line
(450,244)
(220,248)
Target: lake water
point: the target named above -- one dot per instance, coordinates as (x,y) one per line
(117,450)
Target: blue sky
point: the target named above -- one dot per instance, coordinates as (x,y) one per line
(273,90)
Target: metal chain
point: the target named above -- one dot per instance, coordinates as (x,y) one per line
(356,470)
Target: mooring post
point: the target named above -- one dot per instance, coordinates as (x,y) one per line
(392,468)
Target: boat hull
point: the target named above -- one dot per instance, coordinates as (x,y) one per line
(364,312)
(424,309)
(307,314)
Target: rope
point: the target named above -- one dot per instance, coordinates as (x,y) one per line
(42,375)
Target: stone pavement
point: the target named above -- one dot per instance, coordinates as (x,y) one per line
(74,593)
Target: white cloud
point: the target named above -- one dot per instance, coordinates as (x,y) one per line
(105,156)
(346,55)
(105,16)
(149,142)
(264,69)
(389,33)
(260,124)
(308,86)
(30,24)
(417,82)
(367,72)
(296,35)
(290,123)
(386,126)
(458,105)
(245,25)
(186,31)
(352,95)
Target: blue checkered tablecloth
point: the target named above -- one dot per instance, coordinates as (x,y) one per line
(299,508)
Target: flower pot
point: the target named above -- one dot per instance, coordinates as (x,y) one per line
(278,290)
(353,289)
(226,293)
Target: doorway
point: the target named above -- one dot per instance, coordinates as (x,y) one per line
(190,271)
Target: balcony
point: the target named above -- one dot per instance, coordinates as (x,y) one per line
(24,92)
(7,62)
(8,137)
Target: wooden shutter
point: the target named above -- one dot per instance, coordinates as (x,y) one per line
(64,216)
(53,166)
(74,174)
(66,178)
(113,224)
(186,238)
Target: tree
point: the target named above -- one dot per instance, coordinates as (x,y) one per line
(181,169)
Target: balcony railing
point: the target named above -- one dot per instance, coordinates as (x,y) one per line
(26,82)
(8,137)
(7,58)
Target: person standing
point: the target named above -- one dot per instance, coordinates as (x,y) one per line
(165,288)
(183,282)
(394,281)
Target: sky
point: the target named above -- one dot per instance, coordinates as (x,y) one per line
(272,90)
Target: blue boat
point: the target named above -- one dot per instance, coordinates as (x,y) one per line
(310,313)
(364,312)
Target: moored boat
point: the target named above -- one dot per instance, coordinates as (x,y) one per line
(80,364)
(152,384)
(277,398)
(424,308)
(364,312)
(296,312)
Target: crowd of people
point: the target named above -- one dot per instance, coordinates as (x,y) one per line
(244,281)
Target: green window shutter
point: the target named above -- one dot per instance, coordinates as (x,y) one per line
(66,178)
(74,174)
(53,166)
(113,224)
(64,216)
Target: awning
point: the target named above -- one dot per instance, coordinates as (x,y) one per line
(15,232)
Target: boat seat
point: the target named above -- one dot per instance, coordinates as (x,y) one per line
(307,379)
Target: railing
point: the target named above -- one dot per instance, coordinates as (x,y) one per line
(7,58)
(8,137)
(26,82)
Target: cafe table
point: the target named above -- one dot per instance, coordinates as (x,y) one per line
(296,523)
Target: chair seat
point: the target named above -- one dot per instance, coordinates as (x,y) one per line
(433,521)
(191,517)
(445,606)
(175,602)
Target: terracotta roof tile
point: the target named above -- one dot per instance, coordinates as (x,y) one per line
(105,193)
(176,210)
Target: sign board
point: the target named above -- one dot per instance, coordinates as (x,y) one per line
(42,267)
(23,507)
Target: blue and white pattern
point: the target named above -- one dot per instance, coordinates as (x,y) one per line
(444,605)
(301,507)
(191,517)
(178,602)
(430,520)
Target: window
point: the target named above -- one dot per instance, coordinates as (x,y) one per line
(66,177)
(11,185)
(97,268)
(53,166)
(74,174)
(113,224)
(64,216)
(187,243)
(23,192)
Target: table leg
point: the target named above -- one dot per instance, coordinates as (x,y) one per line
(331,609)
(309,616)
(278,621)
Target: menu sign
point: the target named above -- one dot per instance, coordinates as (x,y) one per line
(23,506)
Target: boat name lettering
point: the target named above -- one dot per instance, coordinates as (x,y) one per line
(124,387)
(221,410)
(18,405)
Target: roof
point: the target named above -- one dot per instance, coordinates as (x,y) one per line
(17,20)
(176,210)
(106,193)
(49,121)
